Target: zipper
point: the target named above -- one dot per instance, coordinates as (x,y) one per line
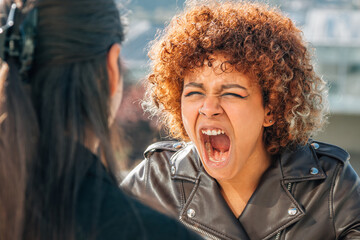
(198,230)
(279,233)
(289,187)
(278,236)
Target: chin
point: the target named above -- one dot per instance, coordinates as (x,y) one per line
(222,174)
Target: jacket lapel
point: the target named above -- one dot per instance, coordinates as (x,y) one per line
(267,211)
(272,207)
(301,165)
(210,211)
(205,209)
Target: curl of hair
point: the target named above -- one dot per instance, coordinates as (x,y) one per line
(257,40)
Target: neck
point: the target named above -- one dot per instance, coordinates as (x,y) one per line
(91,142)
(237,191)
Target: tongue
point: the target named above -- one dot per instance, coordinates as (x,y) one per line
(220,142)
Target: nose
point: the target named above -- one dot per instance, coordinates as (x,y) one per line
(211,107)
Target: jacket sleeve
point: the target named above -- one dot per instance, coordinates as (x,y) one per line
(345,199)
(150,182)
(135,182)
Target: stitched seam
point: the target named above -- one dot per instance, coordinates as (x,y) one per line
(293,189)
(160,145)
(317,177)
(331,196)
(209,229)
(147,173)
(182,213)
(182,177)
(330,145)
(182,194)
(288,223)
(281,168)
(321,176)
(284,226)
(192,192)
(177,152)
(331,192)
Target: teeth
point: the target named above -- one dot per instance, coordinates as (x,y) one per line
(213,160)
(212,132)
(217,155)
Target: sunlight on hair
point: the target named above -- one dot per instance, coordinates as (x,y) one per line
(3,117)
(3,73)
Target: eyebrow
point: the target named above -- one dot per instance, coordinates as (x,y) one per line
(228,86)
(223,87)
(194,84)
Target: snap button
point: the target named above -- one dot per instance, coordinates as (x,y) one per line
(177,145)
(315,145)
(191,213)
(173,170)
(292,211)
(314,171)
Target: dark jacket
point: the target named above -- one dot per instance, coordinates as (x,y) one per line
(104,212)
(311,193)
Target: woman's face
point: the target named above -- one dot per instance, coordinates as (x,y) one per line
(224,116)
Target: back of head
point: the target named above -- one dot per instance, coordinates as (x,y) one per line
(54,91)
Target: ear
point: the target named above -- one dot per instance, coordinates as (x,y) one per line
(268,118)
(113,67)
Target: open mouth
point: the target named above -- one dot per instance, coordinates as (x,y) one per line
(216,145)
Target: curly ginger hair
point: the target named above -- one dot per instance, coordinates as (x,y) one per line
(257,40)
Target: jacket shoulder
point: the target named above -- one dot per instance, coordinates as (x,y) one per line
(329,150)
(172,146)
(177,158)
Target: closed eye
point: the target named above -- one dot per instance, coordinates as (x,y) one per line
(234,95)
(193,93)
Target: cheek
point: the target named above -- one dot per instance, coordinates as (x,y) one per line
(188,115)
(247,122)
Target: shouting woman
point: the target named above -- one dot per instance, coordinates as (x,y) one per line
(60,87)
(234,82)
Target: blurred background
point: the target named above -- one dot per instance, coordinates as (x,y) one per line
(332,28)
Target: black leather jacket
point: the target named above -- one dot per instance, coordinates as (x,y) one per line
(312,193)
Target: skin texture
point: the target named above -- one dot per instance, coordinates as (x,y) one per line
(232,102)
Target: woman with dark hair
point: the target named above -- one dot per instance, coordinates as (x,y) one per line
(60,88)
(234,81)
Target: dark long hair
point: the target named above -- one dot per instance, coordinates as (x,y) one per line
(47,112)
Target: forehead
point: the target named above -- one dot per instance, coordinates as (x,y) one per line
(217,70)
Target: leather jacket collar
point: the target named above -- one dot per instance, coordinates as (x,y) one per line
(282,210)
(294,165)
(304,189)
